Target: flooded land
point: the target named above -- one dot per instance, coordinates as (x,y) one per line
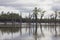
(26,31)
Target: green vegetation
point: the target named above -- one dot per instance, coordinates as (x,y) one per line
(15,17)
(9,16)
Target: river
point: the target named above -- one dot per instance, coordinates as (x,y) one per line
(26,33)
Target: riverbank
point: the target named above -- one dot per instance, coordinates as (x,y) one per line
(24,25)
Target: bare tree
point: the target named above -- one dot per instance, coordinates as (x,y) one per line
(55,23)
(29,23)
(35,11)
(20,23)
(41,16)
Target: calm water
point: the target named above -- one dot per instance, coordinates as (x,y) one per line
(27,32)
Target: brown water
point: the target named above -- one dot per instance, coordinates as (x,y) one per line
(26,33)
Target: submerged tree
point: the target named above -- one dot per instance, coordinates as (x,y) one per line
(29,23)
(41,16)
(13,17)
(35,11)
(55,22)
(20,23)
(26,24)
(4,17)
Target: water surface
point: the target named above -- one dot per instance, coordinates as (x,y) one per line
(27,32)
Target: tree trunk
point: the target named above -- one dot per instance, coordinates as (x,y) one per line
(36,24)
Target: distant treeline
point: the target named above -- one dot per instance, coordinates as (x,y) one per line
(14,17)
(9,16)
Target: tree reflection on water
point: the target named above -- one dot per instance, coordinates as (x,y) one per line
(49,29)
(9,29)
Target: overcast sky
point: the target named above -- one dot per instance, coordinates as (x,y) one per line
(26,6)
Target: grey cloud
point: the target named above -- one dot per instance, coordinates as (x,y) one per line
(6,1)
(56,8)
(20,7)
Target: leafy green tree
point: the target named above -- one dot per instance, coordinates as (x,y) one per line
(14,16)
